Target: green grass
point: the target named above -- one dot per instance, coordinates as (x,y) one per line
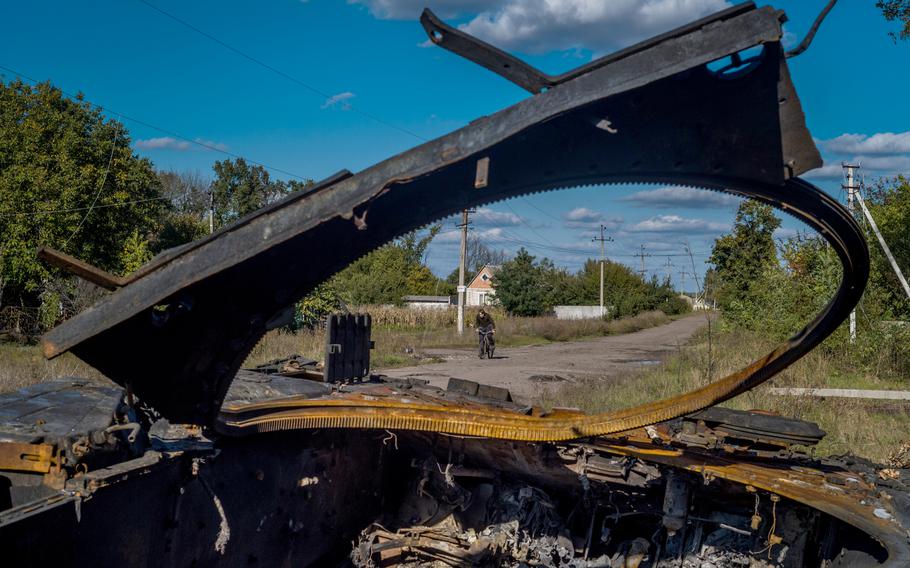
(868,429)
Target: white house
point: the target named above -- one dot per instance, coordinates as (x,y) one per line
(480,291)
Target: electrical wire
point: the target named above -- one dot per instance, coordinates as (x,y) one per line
(74,209)
(277,71)
(110,160)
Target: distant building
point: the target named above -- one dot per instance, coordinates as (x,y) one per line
(428,302)
(698,303)
(581,312)
(480,291)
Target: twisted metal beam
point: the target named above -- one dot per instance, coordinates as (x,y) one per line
(177,332)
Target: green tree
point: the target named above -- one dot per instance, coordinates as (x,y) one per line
(135,252)
(742,256)
(422,282)
(889,202)
(899,11)
(177,229)
(519,286)
(387,274)
(69,180)
(312,310)
(240,188)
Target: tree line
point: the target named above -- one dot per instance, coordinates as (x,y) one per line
(70,180)
(774,287)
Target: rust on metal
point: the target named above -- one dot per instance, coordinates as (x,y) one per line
(82,269)
(37,458)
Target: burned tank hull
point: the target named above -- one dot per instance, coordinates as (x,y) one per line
(178,496)
(197,463)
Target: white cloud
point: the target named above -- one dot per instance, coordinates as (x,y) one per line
(676,224)
(882,143)
(486,217)
(584,218)
(341,100)
(784,233)
(411,9)
(494,234)
(789,40)
(682,197)
(538,26)
(583,214)
(873,165)
(164,142)
(829,170)
(169,143)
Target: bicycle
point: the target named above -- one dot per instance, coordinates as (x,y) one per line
(487,345)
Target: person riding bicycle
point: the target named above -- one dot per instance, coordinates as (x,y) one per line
(485,325)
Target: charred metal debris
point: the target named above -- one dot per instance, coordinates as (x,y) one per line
(196,462)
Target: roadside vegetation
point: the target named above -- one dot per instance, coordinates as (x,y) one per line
(402,335)
(767,291)
(70,180)
(871,429)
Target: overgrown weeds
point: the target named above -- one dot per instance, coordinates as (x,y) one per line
(868,429)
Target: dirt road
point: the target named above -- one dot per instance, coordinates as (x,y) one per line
(527,370)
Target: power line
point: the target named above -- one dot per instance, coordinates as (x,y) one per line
(551,216)
(74,209)
(526,224)
(277,71)
(110,159)
(158,128)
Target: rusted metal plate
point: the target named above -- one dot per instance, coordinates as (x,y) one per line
(193,315)
(26,457)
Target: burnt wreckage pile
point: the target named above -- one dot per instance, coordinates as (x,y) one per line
(196,462)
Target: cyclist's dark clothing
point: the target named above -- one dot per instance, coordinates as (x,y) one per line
(484,320)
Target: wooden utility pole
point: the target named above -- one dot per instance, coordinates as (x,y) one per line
(461,268)
(603,258)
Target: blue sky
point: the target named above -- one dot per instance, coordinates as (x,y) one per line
(365,87)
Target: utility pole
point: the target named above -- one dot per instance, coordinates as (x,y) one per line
(642,254)
(851,189)
(603,257)
(669,270)
(461,267)
(682,279)
(211,211)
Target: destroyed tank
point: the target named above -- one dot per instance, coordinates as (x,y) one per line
(188,460)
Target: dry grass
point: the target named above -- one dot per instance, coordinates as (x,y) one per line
(401,334)
(870,430)
(23,365)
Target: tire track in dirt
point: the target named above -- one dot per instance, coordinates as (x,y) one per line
(526,370)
